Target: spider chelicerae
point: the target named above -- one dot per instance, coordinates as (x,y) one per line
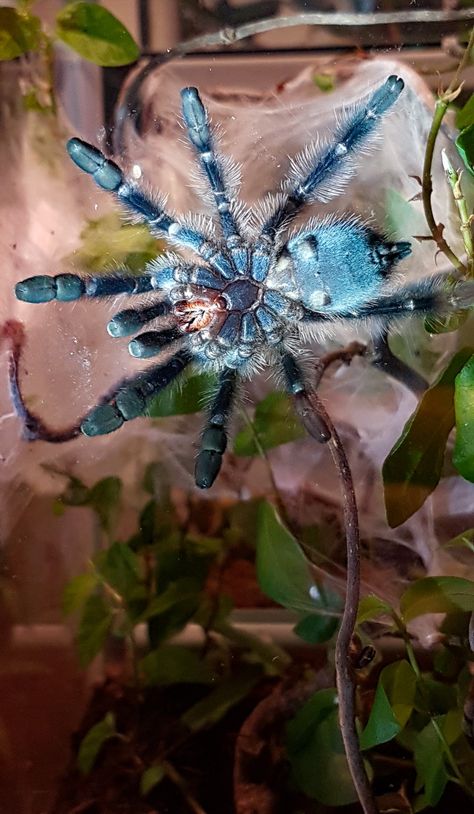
(255,292)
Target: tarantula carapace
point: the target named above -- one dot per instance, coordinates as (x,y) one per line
(255,293)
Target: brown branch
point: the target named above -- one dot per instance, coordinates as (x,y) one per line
(309,407)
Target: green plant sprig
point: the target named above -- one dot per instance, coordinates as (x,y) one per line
(442,103)
(454,180)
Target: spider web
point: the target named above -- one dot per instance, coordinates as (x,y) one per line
(70,360)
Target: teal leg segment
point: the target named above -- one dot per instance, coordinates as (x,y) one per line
(130,399)
(214,437)
(69,287)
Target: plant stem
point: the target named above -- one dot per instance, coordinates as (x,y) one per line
(344,671)
(454,180)
(441,107)
(179,781)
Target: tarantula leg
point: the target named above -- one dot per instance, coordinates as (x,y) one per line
(132,320)
(199,133)
(69,287)
(214,437)
(334,165)
(151,343)
(312,422)
(131,397)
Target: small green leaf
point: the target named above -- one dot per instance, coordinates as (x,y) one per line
(465,116)
(19,33)
(282,570)
(215,705)
(325,81)
(316,628)
(465,147)
(437,595)
(413,467)
(463,453)
(430,765)
(393,704)
(104,499)
(119,566)
(274,423)
(93,628)
(174,664)
(371,607)
(176,593)
(95,34)
(78,590)
(316,752)
(188,397)
(92,743)
(151,777)
(445,323)
(464,540)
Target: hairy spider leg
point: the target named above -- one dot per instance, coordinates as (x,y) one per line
(297,387)
(69,287)
(333,165)
(199,132)
(433,295)
(131,320)
(108,176)
(214,437)
(131,398)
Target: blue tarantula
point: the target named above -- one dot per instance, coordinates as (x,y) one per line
(254,293)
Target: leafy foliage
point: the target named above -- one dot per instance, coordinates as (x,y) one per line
(89,29)
(413,467)
(463,454)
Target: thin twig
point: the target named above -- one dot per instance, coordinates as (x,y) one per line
(230,35)
(179,781)
(442,103)
(344,670)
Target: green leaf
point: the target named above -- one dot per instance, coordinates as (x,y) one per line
(316,628)
(92,743)
(95,34)
(189,397)
(274,423)
(445,323)
(316,752)
(107,242)
(282,570)
(176,593)
(465,116)
(464,540)
(465,147)
(151,777)
(430,765)
(104,499)
(174,664)
(463,453)
(119,566)
(437,595)
(371,607)
(413,467)
(393,704)
(19,33)
(93,628)
(78,590)
(215,705)
(325,81)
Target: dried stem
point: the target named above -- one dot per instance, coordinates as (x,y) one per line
(344,670)
(442,103)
